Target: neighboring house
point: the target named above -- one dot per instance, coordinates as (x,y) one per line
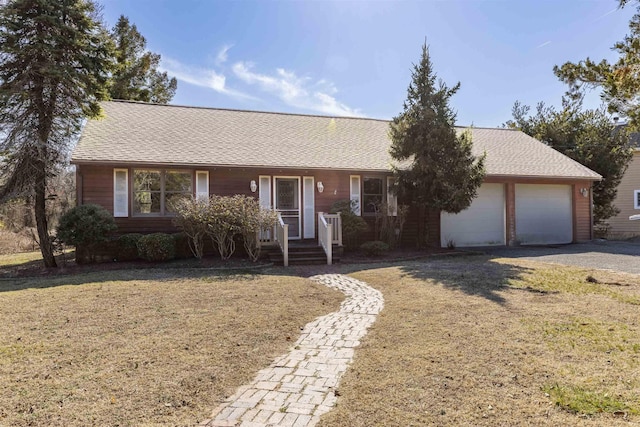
(628,198)
(139,156)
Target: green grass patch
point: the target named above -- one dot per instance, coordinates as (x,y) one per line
(567,280)
(19,258)
(589,335)
(582,401)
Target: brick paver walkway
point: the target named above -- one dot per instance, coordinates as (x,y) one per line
(300,386)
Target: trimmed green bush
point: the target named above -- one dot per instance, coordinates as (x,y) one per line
(374,248)
(181,244)
(156,247)
(128,247)
(353,226)
(85,227)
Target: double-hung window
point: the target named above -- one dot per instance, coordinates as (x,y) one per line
(155,190)
(371,194)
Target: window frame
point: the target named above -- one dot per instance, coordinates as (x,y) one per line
(636,205)
(163,193)
(124,213)
(364,195)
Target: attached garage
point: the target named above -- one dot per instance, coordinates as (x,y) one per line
(544,214)
(482,224)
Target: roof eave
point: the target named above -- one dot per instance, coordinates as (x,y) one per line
(215,165)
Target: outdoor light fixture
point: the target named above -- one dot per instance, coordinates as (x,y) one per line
(584,192)
(253,186)
(320,187)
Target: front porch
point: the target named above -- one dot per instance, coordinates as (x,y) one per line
(326,249)
(303,252)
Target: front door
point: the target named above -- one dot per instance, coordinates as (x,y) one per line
(287,202)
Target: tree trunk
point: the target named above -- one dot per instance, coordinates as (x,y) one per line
(28,220)
(41,220)
(422,219)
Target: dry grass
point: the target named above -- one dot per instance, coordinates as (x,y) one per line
(11,243)
(473,341)
(142,348)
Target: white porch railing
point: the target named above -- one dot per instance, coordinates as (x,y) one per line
(325,236)
(336,224)
(266,237)
(329,233)
(282,237)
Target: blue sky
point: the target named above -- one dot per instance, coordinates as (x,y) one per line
(354,58)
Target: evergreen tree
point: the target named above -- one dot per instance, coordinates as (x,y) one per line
(436,168)
(619,81)
(588,137)
(136,76)
(54,55)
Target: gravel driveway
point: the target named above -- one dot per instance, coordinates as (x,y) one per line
(602,254)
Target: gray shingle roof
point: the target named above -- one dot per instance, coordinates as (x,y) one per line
(133,132)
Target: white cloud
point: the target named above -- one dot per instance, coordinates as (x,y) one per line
(299,92)
(202,77)
(222,56)
(543,44)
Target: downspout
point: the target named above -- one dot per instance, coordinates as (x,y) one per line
(79,186)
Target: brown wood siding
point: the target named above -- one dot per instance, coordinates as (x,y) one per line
(510,213)
(96,186)
(620,226)
(582,213)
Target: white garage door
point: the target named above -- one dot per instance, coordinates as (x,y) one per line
(482,224)
(543,214)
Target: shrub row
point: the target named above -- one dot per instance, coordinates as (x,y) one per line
(224,219)
(89,228)
(135,246)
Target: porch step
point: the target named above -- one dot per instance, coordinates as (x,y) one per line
(304,255)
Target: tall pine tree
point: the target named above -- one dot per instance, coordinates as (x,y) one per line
(436,168)
(54,59)
(136,76)
(619,81)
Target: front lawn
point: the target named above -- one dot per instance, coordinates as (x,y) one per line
(473,341)
(461,341)
(142,347)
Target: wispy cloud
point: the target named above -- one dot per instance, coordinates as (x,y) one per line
(202,77)
(606,14)
(299,92)
(222,55)
(543,44)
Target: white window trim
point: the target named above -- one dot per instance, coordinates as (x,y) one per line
(357,197)
(202,193)
(392,198)
(635,199)
(121,213)
(308,208)
(265,191)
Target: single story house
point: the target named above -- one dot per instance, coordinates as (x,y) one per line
(139,156)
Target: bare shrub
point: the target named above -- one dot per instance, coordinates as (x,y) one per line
(253,220)
(192,218)
(12,242)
